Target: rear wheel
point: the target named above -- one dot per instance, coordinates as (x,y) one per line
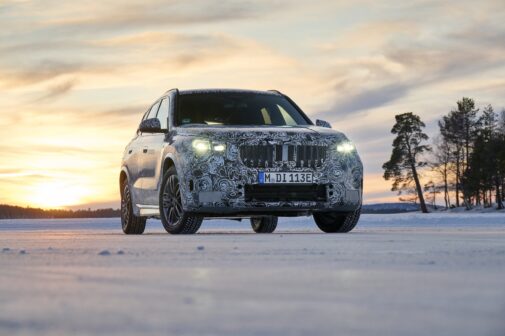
(130,223)
(175,220)
(334,222)
(264,224)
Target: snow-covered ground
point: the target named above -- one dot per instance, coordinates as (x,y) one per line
(403,274)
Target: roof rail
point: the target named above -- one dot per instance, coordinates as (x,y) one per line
(276,91)
(176,89)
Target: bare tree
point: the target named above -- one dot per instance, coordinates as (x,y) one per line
(441,165)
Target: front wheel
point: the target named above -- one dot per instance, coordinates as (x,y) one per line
(130,223)
(334,222)
(174,219)
(264,224)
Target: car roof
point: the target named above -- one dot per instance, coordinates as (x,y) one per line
(197,91)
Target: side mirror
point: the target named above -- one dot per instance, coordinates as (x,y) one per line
(151,125)
(322,123)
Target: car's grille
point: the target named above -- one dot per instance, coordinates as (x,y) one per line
(285,192)
(264,156)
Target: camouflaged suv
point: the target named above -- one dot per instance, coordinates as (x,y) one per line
(237,154)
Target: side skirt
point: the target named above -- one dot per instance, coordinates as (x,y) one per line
(148,210)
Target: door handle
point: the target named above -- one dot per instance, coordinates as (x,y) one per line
(144,150)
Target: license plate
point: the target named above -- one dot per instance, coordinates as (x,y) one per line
(285,177)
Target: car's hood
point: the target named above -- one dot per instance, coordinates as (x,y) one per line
(261,131)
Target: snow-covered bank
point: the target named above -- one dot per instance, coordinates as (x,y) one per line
(475,209)
(303,224)
(403,274)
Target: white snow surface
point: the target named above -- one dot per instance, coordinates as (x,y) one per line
(401,274)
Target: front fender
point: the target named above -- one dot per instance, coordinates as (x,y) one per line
(124,170)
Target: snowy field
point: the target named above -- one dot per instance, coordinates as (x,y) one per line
(404,274)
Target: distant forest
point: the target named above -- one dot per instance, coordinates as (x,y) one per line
(465,164)
(16,212)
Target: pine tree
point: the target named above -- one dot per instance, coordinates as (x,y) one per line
(450,126)
(403,165)
(460,128)
(501,122)
(484,157)
(488,123)
(470,122)
(485,169)
(497,147)
(501,155)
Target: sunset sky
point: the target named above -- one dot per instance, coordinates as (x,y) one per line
(76,77)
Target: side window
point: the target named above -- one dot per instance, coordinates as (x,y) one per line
(163,114)
(154,110)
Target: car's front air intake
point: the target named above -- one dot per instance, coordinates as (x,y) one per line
(285,192)
(267,156)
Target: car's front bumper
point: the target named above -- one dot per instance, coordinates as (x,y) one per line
(277,199)
(222,182)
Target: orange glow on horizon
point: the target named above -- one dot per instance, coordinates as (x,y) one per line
(55,195)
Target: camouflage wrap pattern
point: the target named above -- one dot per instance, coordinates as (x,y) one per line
(225,172)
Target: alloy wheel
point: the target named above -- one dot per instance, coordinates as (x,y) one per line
(172,205)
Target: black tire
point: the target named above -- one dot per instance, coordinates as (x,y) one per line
(264,224)
(333,222)
(174,219)
(130,223)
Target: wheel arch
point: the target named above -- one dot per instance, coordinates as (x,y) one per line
(168,162)
(123,176)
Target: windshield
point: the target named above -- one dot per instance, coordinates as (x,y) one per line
(234,108)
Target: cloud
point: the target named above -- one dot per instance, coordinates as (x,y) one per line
(113,36)
(485,35)
(446,62)
(117,56)
(136,110)
(58,90)
(367,83)
(370,35)
(367,99)
(35,73)
(127,15)
(10,174)
(146,15)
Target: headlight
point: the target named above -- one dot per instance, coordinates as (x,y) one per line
(345,147)
(219,147)
(201,146)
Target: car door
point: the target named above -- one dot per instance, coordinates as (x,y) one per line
(155,144)
(131,159)
(145,170)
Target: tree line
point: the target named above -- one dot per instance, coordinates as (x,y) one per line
(16,212)
(465,163)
